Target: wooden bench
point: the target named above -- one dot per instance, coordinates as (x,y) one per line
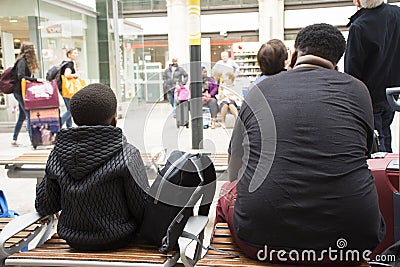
(33,164)
(19,240)
(56,252)
(222,239)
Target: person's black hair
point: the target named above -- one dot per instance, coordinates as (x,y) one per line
(323,40)
(94,104)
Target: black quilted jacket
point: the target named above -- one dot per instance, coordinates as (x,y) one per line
(99,182)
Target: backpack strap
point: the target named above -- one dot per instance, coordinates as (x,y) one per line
(195,238)
(191,202)
(174,165)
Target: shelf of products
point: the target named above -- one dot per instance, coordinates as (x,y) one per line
(245,55)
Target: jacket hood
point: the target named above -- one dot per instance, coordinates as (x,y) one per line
(83,149)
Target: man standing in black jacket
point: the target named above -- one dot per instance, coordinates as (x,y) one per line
(374,58)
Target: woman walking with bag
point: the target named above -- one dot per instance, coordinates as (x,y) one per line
(68,70)
(26,65)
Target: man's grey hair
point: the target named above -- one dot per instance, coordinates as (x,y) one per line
(370,3)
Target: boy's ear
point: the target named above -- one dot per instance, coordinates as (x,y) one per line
(114,120)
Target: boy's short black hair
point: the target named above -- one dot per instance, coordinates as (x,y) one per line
(321,40)
(94,104)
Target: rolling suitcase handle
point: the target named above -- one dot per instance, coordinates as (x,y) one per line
(390,96)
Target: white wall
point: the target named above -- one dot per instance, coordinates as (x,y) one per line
(209,23)
(333,15)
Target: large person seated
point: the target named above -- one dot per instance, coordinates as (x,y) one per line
(298,160)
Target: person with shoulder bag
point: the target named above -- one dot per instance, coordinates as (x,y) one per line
(69,72)
(26,65)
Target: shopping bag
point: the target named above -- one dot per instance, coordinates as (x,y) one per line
(40,94)
(4,211)
(71,85)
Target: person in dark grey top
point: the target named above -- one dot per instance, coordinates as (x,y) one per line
(301,143)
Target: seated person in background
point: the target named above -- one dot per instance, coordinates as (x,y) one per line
(94,176)
(298,160)
(271,58)
(210,90)
(227,98)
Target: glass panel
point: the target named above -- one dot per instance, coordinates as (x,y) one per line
(62,29)
(225,2)
(250,2)
(159,5)
(136,5)
(132,78)
(299,2)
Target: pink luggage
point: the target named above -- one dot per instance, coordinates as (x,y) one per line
(182,93)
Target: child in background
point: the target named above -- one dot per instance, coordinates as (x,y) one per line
(227,98)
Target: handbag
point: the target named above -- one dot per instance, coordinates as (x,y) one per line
(71,85)
(4,211)
(40,94)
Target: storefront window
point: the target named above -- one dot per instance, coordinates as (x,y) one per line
(53,29)
(132,64)
(61,30)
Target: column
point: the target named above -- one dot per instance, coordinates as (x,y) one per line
(33,23)
(109,46)
(178,40)
(271,20)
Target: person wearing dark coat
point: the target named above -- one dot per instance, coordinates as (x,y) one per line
(94,176)
(372,56)
(173,76)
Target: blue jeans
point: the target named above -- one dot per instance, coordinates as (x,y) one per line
(171,98)
(66,117)
(23,114)
(383,117)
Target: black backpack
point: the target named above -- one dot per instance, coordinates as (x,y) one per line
(7,80)
(178,187)
(55,72)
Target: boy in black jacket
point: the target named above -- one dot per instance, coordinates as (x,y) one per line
(94,176)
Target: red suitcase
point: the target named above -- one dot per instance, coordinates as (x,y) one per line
(385,169)
(386,173)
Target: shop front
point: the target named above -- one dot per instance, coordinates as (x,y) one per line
(53,28)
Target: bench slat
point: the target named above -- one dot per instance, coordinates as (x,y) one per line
(222,239)
(57,249)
